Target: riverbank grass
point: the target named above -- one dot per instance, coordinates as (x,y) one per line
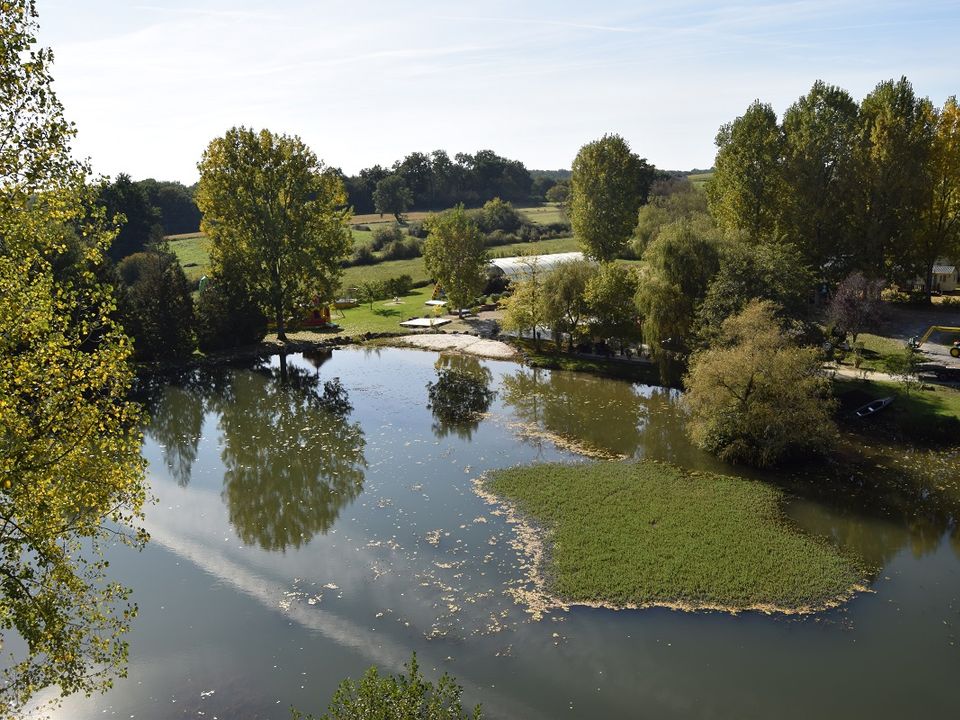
(635,534)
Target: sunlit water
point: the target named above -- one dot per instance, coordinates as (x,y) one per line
(293,546)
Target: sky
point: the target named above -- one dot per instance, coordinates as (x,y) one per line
(150,83)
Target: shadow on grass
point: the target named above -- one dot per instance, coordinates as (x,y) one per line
(386,312)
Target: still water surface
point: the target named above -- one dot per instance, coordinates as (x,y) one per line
(294,544)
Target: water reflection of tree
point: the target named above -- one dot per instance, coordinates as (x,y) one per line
(176,421)
(292,460)
(606,414)
(460,396)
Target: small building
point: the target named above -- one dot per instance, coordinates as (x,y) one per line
(946,278)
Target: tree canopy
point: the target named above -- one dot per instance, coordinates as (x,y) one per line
(608,185)
(756,398)
(276,219)
(71,475)
(455,256)
(392,196)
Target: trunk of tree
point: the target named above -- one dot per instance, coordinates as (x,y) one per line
(281,329)
(930,282)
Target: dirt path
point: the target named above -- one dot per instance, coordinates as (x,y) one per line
(468,344)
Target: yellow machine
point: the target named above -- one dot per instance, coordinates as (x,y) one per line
(917,342)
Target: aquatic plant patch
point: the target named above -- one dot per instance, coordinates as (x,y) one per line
(635,534)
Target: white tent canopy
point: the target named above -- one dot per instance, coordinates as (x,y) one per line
(522,266)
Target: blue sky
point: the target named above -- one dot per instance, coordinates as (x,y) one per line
(150,83)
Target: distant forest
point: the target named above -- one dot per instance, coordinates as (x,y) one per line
(433,181)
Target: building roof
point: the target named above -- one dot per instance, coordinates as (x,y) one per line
(520,266)
(944,269)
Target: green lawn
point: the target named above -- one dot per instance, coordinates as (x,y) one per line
(193,252)
(650,533)
(385,316)
(876,349)
(922,411)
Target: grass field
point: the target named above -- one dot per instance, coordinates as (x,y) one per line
(193,252)
(542,214)
(385,316)
(876,349)
(699,180)
(650,533)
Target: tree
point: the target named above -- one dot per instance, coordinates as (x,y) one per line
(156,309)
(608,185)
(610,295)
(174,201)
(497,214)
(896,139)
(818,209)
(71,475)
(856,304)
(392,196)
(939,232)
(455,256)
(525,308)
(129,207)
(559,193)
(747,182)
(564,298)
(756,398)
(669,201)
(275,217)
(227,314)
(767,271)
(401,697)
(676,272)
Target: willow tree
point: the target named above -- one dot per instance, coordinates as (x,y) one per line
(277,219)
(71,477)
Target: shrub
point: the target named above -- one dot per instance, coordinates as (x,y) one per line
(499,237)
(416,229)
(363,255)
(498,215)
(385,234)
(402,249)
(401,697)
(398,286)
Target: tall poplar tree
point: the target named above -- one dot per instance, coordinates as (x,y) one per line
(817,209)
(608,185)
(938,235)
(71,476)
(747,182)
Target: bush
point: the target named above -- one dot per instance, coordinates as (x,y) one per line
(498,215)
(398,286)
(403,249)
(416,229)
(949,302)
(363,255)
(399,697)
(227,317)
(499,237)
(385,234)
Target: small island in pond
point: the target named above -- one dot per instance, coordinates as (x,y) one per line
(648,533)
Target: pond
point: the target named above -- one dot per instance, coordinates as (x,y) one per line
(296,541)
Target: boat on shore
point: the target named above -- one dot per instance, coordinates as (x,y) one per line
(873,407)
